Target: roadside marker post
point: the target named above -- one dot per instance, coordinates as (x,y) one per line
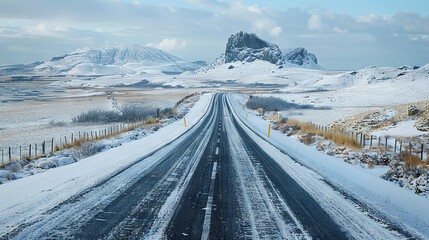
(269,129)
(184,121)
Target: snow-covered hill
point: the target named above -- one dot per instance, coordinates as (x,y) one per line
(122,60)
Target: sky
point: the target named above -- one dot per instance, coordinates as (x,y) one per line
(343,34)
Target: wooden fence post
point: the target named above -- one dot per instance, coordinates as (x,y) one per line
(35,149)
(29,151)
(52,145)
(361,135)
(400,147)
(379,141)
(2,158)
(370,143)
(363,141)
(44,147)
(410,147)
(20,153)
(385,146)
(10,155)
(421,152)
(396,140)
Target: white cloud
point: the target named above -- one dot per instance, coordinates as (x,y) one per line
(267,25)
(168,44)
(275,31)
(339,30)
(209,3)
(315,22)
(424,38)
(368,18)
(44,29)
(255,9)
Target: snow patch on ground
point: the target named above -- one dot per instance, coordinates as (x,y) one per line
(402,129)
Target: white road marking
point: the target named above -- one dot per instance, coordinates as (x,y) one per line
(218,140)
(208,208)
(217,151)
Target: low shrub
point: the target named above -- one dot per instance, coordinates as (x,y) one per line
(273,104)
(86,149)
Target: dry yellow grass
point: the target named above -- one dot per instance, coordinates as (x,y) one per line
(336,136)
(411,161)
(116,131)
(152,120)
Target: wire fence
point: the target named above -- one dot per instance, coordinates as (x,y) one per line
(55,144)
(384,143)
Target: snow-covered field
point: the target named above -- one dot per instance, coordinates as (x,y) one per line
(346,93)
(38,119)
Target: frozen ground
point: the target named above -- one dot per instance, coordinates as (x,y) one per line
(49,115)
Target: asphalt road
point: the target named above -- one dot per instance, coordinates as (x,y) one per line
(214,182)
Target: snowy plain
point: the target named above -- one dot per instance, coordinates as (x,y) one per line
(50,115)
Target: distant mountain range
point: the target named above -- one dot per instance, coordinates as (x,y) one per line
(139,60)
(122,60)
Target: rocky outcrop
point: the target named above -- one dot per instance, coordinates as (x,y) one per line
(300,57)
(247,47)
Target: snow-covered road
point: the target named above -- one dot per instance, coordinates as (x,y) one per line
(217,179)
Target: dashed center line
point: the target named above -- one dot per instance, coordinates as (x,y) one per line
(217,151)
(208,215)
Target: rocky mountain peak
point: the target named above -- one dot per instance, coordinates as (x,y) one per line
(300,56)
(247,47)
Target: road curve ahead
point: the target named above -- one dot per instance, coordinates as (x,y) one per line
(216,181)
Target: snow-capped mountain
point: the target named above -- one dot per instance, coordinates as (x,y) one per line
(248,47)
(122,60)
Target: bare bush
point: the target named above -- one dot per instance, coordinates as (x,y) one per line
(52,123)
(86,150)
(168,113)
(97,116)
(128,113)
(134,113)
